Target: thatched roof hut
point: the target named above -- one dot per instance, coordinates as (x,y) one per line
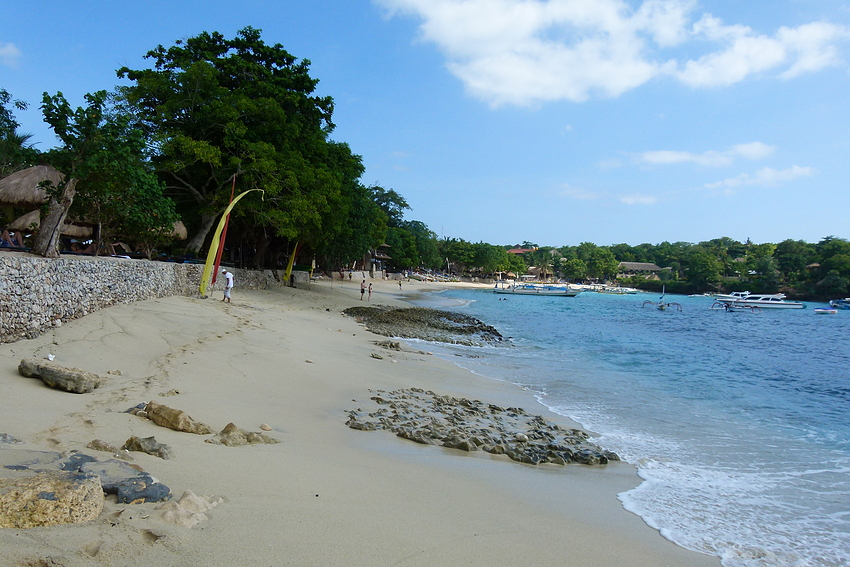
(32,220)
(29,221)
(21,188)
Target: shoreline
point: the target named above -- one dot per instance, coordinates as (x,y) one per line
(326,494)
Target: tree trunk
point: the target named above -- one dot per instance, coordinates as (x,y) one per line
(259,254)
(195,243)
(47,238)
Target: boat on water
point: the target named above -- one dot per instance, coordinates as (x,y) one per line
(616,290)
(825,311)
(537,289)
(761,300)
(733,308)
(840,303)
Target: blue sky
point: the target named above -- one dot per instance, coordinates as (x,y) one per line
(556,121)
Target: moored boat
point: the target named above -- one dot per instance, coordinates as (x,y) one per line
(537,289)
(825,311)
(840,303)
(762,300)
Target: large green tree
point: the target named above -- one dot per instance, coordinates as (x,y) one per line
(218,108)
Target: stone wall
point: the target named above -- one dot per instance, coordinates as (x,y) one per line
(38,293)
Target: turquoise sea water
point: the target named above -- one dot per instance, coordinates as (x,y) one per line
(739,423)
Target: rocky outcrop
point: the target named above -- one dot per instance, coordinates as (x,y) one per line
(175,419)
(130,485)
(148,445)
(49,498)
(233,436)
(472,425)
(42,488)
(426,324)
(58,376)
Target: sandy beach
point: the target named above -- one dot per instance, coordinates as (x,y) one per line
(326,494)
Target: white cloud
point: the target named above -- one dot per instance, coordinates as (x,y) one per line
(577,193)
(766,176)
(638,199)
(9,54)
(752,151)
(524,52)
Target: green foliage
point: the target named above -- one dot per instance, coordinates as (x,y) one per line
(391,203)
(217,108)
(15,150)
(105,156)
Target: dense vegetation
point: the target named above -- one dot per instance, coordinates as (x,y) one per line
(214,116)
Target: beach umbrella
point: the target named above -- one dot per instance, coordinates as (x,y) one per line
(21,188)
(32,220)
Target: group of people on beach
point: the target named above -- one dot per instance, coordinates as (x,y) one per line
(363,290)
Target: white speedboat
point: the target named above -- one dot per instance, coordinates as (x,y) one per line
(762,300)
(825,311)
(615,290)
(537,289)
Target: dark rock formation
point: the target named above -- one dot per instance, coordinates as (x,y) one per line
(131,485)
(426,324)
(148,445)
(470,425)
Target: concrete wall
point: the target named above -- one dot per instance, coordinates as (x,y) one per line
(38,293)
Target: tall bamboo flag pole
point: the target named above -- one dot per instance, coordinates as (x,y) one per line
(216,241)
(223,236)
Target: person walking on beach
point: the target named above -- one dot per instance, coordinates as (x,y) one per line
(228,284)
(362,289)
(370,293)
(399,285)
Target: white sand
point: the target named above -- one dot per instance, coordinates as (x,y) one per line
(326,495)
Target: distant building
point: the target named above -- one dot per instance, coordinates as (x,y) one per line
(646,269)
(521,250)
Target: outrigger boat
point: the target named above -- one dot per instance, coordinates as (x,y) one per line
(662,305)
(537,289)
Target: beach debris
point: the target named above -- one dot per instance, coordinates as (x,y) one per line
(190,510)
(114,372)
(308,361)
(469,425)
(171,392)
(59,377)
(48,498)
(266,427)
(389,345)
(130,484)
(233,436)
(6,438)
(376,355)
(175,419)
(426,324)
(148,445)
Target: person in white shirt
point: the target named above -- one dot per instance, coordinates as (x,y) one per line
(228,284)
